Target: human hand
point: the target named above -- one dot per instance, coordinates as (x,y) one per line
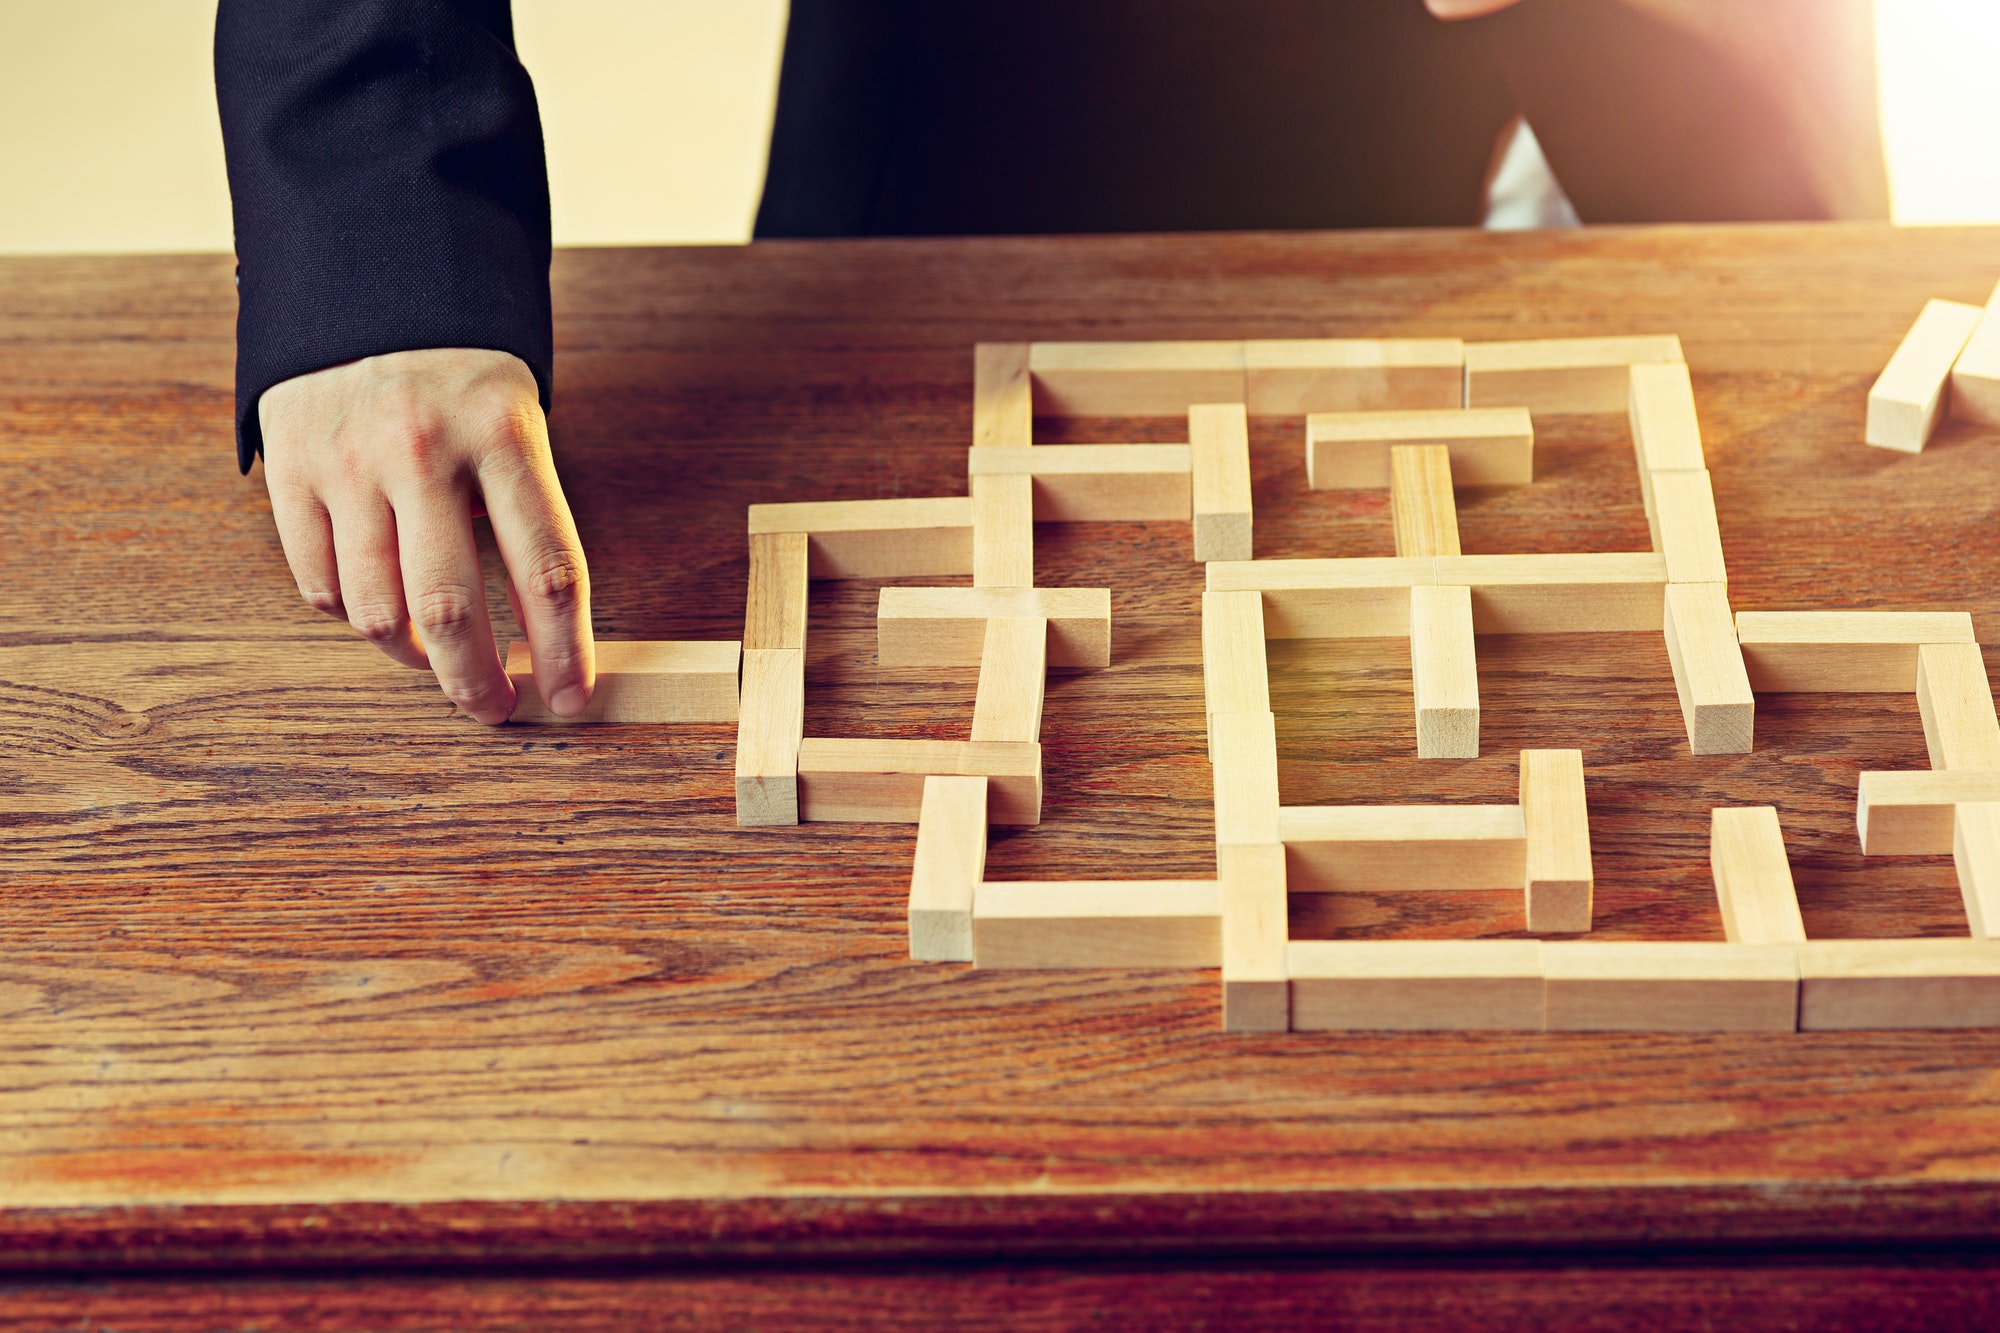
(376,470)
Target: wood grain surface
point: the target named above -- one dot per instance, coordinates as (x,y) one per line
(298,968)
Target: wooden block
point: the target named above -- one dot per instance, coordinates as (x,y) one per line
(678,681)
(1234,675)
(1561,594)
(1494,446)
(1666,437)
(1444,673)
(1256,996)
(947,626)
(768,727)
(1561,375)
(1134,379)
(1956,703)
(1684,509)
(1918,983)
(1003,532)
(1329,599)
(1753,876)
(1421,503)
(1098,923)
(1680,986)
(1908,398)
(1717,706)
(1292,376)
(950,862)
(1012,669)
(1416,985)
(1909,814)
(1975,376)
(1379,848)
(882,781)
(1559,878)
(1219,443)
(1243,752)
(1841,651)
(1097,483)
(1975,852)
(776,614)
(877,539)
(1003,407)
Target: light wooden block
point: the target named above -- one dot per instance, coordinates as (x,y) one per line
(1416,985)
(1136,379)
(1098,923)
(1561,594)
(1350,450)
(1909,814)
(769,725)
(1013,667)
(1717,705)
(1753,876)
(1444,673)
(1684,510)
(1559,877)
(877,539)
(1219,443)
(1604,986)
(1909,397)
(1421,503)
(1256,996)
(1841,651)
(882,781)
(1956,703)
(1975,376)
(1097,483)
(1243,750)
(1666,437)
(775,616)
(1329,599)
(1234,674)
(922,627)
(1003,407)
(676,681)
(1287,377)
(1382,848)
(1975,853)
(1003,532)
(950,862)
(1919,983)
(1561,375)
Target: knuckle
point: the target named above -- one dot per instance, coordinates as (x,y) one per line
(472,695)
(447,612)
(377,624)
(558,578)
(325,600)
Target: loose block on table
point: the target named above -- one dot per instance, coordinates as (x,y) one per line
(1444,673)
(1909,396)
(844,780)
(1099,923)
(1251,881)
(1422,505)
(1753,876)
(1913,983)
(947,626)
(1385,848)
(1909,814)
(1488,447)
(676,681)
(1081,483)
(1219,448)
(1956,704)
(1292,376)
(1559,877)
(1676,986)
(1717,705)
(1013,667)
(1842,651)
(950,862)
(1561,375)
(1114,379)
(769,725)
(877,539)
(1416,985)
(1975,376)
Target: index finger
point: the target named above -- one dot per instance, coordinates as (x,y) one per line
(544,559)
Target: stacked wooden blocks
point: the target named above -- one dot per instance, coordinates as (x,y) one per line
(1947,364)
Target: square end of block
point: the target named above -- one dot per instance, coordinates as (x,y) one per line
(1559,907)
(1221,537)
(941,937)
(767,801)
(1256,1006)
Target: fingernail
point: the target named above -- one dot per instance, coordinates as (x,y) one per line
(569,701)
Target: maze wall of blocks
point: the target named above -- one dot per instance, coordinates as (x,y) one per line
(1414,416)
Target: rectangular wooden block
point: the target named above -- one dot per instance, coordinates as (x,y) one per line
(1003,532)
(1098,923)
(1956,703)
(1234,674)
(1133,379)
(1292,376)
(1444,673)
(776,613)
(1561,375)
(882,781)
(1906,401)
(1753,876)
(1559,876)
(1421,503)
(1003,407)
(1684,514)
(1097,483)
(675,681)
(1382,848)
(1013,667)
(1975,853)
(1361,598)
(947,626)
(768,727)
(1917,983)
(1219,445)
(1717,705)
(1666,437)
(1909,814)
(1805,652)
(1679,986)
(1489,447)
(1975,376)
(1256,996)
(1561,594)
(1416,985)
(1243,752)
(877,539)
(950,862)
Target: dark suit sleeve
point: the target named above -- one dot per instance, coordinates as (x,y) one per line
(390,192)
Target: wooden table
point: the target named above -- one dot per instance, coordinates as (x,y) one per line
(301,975)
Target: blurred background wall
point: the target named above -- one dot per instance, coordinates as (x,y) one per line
(656,114)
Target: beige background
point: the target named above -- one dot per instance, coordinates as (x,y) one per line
(657,112)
